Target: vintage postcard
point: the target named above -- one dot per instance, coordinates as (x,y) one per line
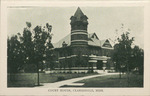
(75,48)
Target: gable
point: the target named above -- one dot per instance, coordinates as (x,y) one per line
(93,35)
(107,44)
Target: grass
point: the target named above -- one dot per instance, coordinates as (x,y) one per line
(112,81)
(30,79)
(46,78)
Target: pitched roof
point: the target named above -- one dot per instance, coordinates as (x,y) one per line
(66,39)
(94,42)
(103,41)
(91,41)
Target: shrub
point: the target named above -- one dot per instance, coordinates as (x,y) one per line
(60,78)
(109,71)
(69,72)
(64,72)
(83,72)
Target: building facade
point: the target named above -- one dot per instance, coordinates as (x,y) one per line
(80,50)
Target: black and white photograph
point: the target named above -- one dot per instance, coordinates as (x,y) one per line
(75,47)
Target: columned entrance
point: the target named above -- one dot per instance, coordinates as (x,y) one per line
(101,61)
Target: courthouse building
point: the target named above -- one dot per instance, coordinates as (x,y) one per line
(81,50)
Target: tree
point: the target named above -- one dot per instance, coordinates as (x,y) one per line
(137,60)
(42,44)
(24,52)
(29,49)
(122,52)
(14,54)
(126,57)
(50,56)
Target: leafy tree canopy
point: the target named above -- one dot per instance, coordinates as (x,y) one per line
(30,48)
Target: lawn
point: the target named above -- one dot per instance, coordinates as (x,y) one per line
(30,79)
(54,77)
(112,81)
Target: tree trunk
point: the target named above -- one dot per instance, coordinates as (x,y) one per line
(120,75)
(38,81)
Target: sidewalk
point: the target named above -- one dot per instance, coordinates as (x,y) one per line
(70,81)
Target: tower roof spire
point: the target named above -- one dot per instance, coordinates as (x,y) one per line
(78,13)
(79,16)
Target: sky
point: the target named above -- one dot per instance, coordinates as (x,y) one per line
(102,20)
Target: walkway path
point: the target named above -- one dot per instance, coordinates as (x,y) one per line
(71,81)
